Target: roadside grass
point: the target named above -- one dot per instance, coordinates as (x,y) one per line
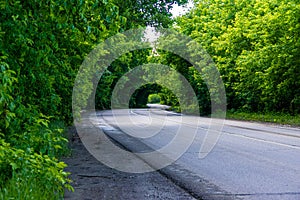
(275,118)
(30,189)
(31,167)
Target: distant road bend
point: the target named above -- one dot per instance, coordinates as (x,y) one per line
(249,161)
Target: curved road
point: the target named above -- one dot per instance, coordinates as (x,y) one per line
(249,161)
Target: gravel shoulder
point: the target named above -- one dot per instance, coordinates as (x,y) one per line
(93,180)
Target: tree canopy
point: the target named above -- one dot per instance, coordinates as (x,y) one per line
(255,45)
(42,45)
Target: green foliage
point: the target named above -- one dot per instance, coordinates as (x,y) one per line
(201,75)
(255,45)
(154,98)
(277,118)
(139,98)
(136,14)
(167,97)
(114,72)
(29,145)
(151,12)
(48,44)
(24,172)
(42,45)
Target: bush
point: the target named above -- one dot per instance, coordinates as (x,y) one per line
(30,143)
(153,98)
(28,175)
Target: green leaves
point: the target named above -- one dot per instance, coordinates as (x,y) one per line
(31,171)
(254,44)
(42,45)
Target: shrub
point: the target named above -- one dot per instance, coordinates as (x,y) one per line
(28,175)
(153,98)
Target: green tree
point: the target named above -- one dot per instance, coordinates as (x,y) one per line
(255,46)
(42,45)
(138,14)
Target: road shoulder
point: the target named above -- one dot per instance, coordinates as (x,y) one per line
(93,180)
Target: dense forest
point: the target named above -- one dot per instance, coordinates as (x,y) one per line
(255,45)
(42,45)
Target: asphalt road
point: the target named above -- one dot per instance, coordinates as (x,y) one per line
(93,180)
(248,161)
